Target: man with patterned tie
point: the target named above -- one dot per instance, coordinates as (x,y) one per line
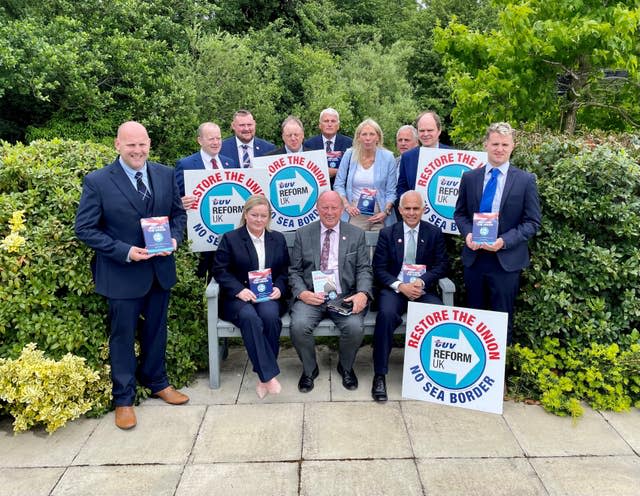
(411,249)
(136,283)
(492,271)
(209,157)
(331,247)
(244,145)
(329,140)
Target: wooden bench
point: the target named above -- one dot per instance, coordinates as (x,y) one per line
(218,328)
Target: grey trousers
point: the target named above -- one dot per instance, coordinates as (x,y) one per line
(305,318)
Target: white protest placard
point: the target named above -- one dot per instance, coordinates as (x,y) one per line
(220,195)
(455,356)
(295,182)
(438,179)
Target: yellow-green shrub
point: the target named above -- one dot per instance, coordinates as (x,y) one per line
(38,390)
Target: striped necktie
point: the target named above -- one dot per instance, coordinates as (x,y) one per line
(246,160)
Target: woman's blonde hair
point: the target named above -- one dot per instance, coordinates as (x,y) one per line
(254,201)
(357,146)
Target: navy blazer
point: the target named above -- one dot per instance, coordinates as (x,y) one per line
(108,220)
(194,162)
(341,144)
(230,149)
(430,251)
(409,168)
(236,256)
(519,218)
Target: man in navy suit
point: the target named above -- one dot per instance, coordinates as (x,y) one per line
(429,128)
(492,271)
(135,282)
(330,140)
(411,241)
(210,140)
(292,136)
(244,146)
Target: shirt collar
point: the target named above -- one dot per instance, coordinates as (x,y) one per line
(502,168)
(132,172)
(336,228)
(240,143)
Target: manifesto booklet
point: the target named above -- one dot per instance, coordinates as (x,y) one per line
(410,272)
(485,228)
(157,234)
(261,283)
(324,283)
(367,201)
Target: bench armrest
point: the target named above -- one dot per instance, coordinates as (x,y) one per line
(448,289)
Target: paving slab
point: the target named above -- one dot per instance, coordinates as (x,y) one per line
(543,434)
(354,430)
(479,477)
(231,372)
(151,480)
(627,424)
(359,478)
(37,448)
(590,476)
(241,433)
(29,481)
(164,434)
(445,431)
(239,479)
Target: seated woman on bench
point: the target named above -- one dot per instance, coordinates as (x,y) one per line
(249,249)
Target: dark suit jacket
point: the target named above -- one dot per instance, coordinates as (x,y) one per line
(409,169)
(341,142)
(282,151)
(353,259)
(108,220)
(236,256)
(230,149)
(519,218)
(194,162)
(430,251)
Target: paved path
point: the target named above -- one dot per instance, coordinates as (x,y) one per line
(328,442)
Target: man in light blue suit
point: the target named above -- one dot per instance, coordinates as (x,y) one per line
(135,282)
(429,128)
(244,146)
(209,157)
(330,140)
(492,271)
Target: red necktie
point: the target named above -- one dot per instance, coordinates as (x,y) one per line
(214,164)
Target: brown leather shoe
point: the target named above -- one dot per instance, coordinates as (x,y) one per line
(171,396)
(125,417)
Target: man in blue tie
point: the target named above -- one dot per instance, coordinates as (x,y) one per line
(492,271)
(244,145)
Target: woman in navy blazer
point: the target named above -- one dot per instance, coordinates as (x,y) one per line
(253,247)
(368,165)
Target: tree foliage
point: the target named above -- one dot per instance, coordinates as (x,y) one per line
(547,65)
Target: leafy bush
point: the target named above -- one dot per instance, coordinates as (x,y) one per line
(46,290)
(38,390)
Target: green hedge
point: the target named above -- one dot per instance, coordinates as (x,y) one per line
(46,291)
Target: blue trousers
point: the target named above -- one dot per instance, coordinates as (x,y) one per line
(151,371)
(391,307)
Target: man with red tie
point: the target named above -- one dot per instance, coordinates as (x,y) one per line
(210,140)
(492,271)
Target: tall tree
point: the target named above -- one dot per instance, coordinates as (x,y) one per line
(553,64)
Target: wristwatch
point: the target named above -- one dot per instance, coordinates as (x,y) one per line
(388,210)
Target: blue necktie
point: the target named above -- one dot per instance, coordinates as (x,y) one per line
(246,160)
(142,189)
(489,191)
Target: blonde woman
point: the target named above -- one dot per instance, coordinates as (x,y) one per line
(253,247)
(366,180)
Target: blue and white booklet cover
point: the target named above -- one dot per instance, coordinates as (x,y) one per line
(261,283)
(367,201)
(485,227)
(157,234)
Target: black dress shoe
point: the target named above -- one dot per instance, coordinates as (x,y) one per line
(349,379)
(379,388)
(305,384)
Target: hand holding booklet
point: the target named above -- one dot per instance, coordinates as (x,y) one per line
(485,228)
(261,283)
(324,283)
(157,234)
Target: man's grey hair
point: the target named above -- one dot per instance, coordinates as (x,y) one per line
(294,119)
(330,111)
(206,124)
(411,192)
(414,131)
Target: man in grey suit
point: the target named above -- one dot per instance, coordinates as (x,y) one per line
(329,246)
